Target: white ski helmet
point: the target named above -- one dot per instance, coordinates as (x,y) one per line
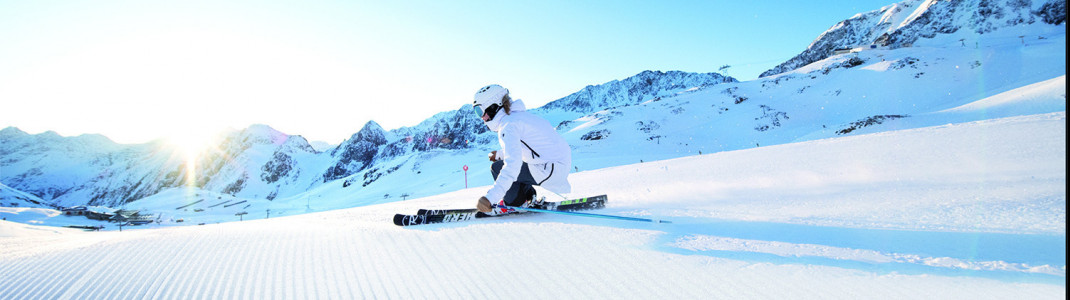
(491,94)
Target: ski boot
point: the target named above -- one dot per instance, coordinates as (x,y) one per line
(502,208)
(537,202)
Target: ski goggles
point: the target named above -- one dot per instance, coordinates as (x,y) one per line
(490,111)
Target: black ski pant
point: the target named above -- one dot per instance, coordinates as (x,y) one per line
(521,191)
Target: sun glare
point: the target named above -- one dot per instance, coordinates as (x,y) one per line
(191,145)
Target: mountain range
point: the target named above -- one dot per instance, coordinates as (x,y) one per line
(946,52)
(904,23)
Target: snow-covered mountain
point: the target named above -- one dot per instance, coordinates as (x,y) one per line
(15,198)
(87,169)
(257,162)
(260,162)
(907,23)
(1008,71)
(644,86)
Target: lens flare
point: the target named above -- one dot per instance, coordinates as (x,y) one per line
(191,145)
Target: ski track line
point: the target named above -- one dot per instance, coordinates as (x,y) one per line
(209,284)
(409,255)
(43,290)
(373,286)
(301,263)
(447,258)
(327,264)
(395,275)
(434,262)
(155,269)
(459,284)
(358,279)
(168,269)
(20,287)
(307,267)
(205,262)
(493,266)
(452,286)
(220,279)
(280,267)
(98,263)
(613,259)
(341,262)
(106,282)
(173,267)
(250,261)
(16,286)
(80,278)
(8,269)
(27,288)
(283,267)
(265,271)
(241,288)
(595,272)
(524,258)
(454,254)
(290,273)
(380,287)
(330,283)
(263,285)
(184,274)
(344,266)
(277,280)
(231,273)
(127,289)
(204,287)
(257,266)
(655,270)
(367,287)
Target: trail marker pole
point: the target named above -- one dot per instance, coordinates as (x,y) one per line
(465,176)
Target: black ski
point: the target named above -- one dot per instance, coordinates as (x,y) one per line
(433,216)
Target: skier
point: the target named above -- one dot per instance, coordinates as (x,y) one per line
(532,153)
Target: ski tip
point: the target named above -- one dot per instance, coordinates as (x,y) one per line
(399,219)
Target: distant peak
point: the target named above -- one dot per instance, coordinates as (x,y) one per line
(12,131)
(636,89)
(264,134)
(372,125)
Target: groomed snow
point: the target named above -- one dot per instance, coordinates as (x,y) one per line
(960,211)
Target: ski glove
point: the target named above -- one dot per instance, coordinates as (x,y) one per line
(483,205)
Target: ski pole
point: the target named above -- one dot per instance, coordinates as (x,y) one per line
(573,213)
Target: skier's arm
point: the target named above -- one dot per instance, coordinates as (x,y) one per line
(512,154)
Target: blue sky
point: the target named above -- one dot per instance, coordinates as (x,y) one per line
(140,70)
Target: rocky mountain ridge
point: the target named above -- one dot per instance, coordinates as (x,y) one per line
(904,23)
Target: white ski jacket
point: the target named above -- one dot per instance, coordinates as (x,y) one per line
(527,138)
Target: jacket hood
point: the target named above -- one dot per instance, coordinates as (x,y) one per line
(517,106)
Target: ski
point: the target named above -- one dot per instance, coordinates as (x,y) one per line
(573,213)
(434,216)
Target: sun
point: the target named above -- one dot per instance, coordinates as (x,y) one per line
(191,144)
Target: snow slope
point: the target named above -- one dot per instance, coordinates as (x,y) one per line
(963,211)
(1019,69)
